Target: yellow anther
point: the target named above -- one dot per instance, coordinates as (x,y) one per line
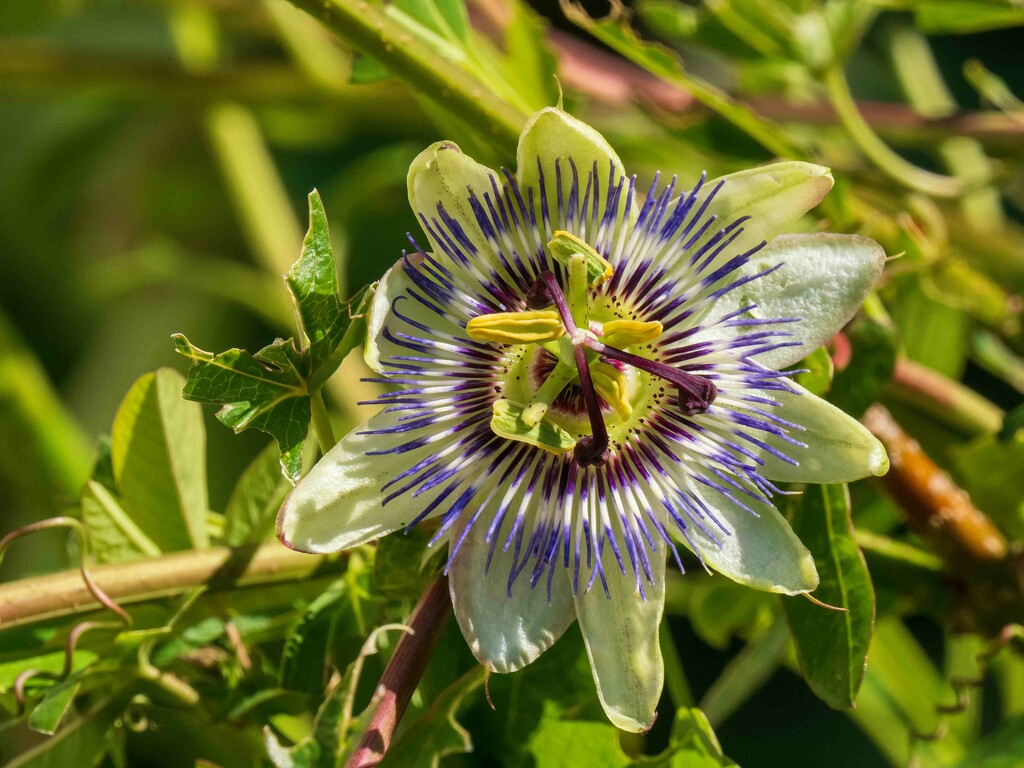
(623,333)
(507,422)
(613,387)
(531,327)
(564,245)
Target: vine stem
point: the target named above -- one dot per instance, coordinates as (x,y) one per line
(65,594)
(321,422)
(944,399)
(891,164)
(375,33)
(402,674)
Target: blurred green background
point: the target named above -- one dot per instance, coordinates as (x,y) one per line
(155,157)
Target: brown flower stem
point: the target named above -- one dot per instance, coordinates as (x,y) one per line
(934,505)
(402,674)
(65,594)
(949,401)
(985,575)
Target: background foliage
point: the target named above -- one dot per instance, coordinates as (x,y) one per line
(154,168)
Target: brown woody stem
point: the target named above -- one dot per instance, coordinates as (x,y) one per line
(65,594)
(402,674)
(932,502)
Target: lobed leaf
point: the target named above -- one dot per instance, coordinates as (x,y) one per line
(266,391)
(270,390)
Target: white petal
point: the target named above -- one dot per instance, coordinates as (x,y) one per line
(621,635)
(823,279)
(772,196)
(759,550)
(506,631)
(397,286)
(839,448)
(339,504)
(443,175)
(553,134)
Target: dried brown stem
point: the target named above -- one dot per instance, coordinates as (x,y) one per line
(402,675)
(934,505)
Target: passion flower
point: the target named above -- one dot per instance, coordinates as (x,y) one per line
(585,374)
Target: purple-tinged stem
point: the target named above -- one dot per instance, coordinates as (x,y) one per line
(590,450)
(402,675)
(553,293)
(696,393)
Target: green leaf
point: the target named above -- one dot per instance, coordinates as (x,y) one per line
(445,18)
(693,743)
(1002,749)
(719,610)
(933,332)
(255,499)
(399,563)
(304,755)
(817,373)
(158,451)
(13,663)
(327,321)
(570,743)
(49,712)
(899,697)
(81,743)
(832,645)
(966,16)
(437,734)
(304,660)
(266,391)
(113,535)
(990,471)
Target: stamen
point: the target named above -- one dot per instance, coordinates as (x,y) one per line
(579,298)
(590,450)
(516,327)
(696,393)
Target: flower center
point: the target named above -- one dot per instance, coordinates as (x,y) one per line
(591,361)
